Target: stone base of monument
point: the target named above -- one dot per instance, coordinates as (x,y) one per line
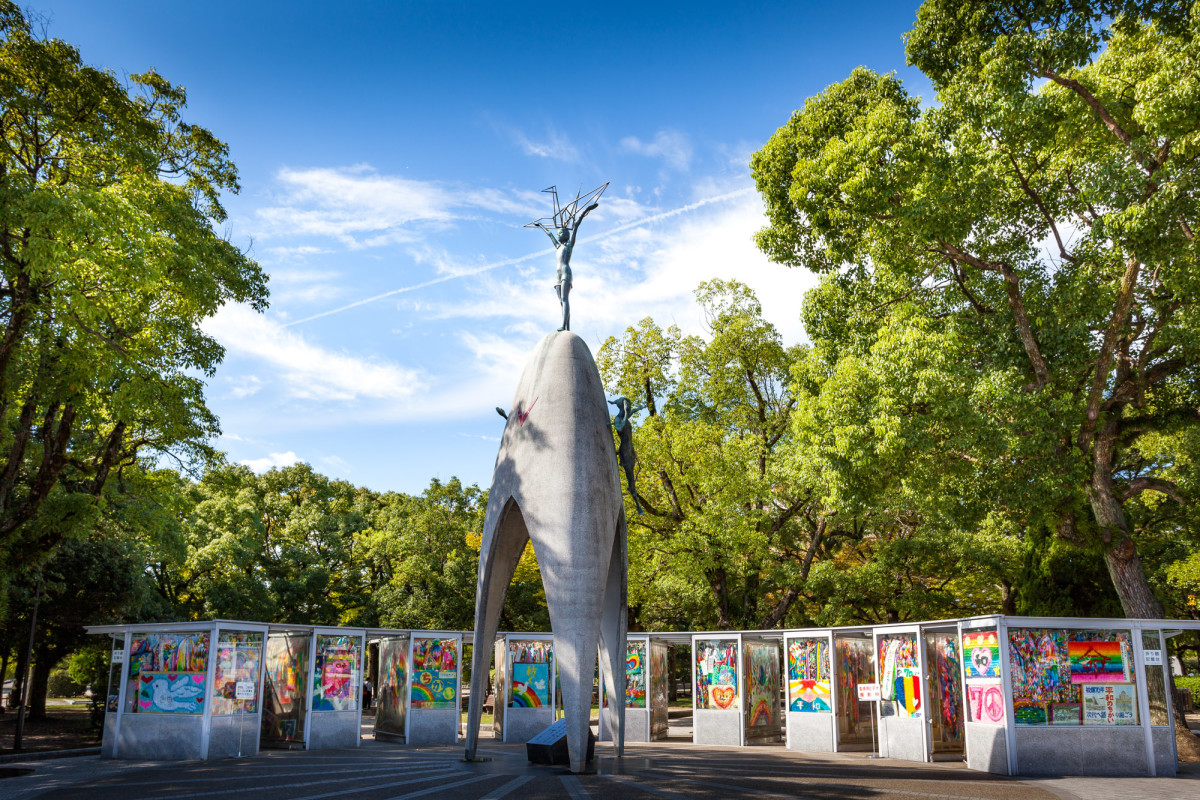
(550,746)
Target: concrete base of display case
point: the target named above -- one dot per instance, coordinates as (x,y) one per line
(1166,761)
(329,729)
(161,737)
(810,731)
(229,735)
(987,749)
(710,726)
(433,726)
(522,724)
(110,736)
(902,737)
(1081,750)
(637,725)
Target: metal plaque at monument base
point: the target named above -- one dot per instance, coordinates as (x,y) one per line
(550,746)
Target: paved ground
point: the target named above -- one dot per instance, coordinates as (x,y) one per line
(378,771)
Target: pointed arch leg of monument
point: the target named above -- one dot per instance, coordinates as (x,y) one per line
(613,625)
(499,555)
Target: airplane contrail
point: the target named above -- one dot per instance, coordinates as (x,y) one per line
(508,262)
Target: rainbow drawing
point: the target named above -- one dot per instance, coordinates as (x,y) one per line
(761,715)
(525,697)
(530,686)
(421,696)
(982,652)
(1097,662)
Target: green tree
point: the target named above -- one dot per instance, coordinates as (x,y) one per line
(727,536)
(108,264)
(424,552)
(277,547)
(87,581)
(1034,231)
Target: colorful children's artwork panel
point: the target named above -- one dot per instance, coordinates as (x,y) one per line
(855,665)
(716,674)
(985,702)
(168,652)
(1066,714)
(810,696)
(900,681)
(762,684)
(1031,713)
(393,684)
(1109,704)
(1040,671)
(808,675)
(532,662)
(530,686)
(237,662)
(336,677)
(982,651)
(635,674)
(1097,662)
(287,660)
(171,692)
(1052,666)
(946,696)
(435,673)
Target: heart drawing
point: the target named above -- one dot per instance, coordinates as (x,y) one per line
(723,696)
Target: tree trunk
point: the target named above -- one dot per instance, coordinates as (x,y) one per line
(18,687)
(3,675)
(41,679)
(1008,598)
(1129,579)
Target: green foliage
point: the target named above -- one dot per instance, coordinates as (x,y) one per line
(1007,317)
(89,666)
(62,684)
(108,264)
(745,528)
(422,544)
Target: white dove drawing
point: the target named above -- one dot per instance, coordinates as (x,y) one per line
(178,696)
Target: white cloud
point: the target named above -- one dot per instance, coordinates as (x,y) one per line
(672,147)
(556,145)
(278,255)
(245,386)
(309,371)
(644,270)
(361,208)
(338,463)
(349,202)
(305,286)
(273,460)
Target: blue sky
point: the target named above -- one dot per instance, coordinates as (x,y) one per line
(395,150)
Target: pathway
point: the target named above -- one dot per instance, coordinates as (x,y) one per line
(378,771)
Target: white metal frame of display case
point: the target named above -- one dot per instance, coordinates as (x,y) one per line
(508,639)
(810,633)
(914,630)
(741,689)
(213,628)
(376,636)
(356,687)
(458,664)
